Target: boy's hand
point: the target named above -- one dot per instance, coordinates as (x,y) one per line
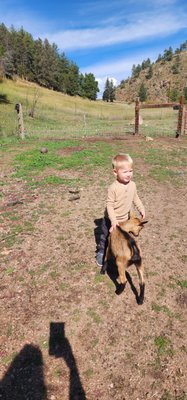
(113,226)
(142,215)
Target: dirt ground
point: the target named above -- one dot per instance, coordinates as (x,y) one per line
(65,333)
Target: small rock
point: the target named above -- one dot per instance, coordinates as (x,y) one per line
(14,202)
(74,198)
(44,150)
(74,190)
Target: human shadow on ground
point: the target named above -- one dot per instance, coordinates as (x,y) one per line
(24,379)
(59,346)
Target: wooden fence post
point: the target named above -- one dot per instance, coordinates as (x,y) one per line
(185,121)
(137,111)
(180,115)
(18,108)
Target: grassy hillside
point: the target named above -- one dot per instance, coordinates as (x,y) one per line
(56,112)
(57,115)
(161,85)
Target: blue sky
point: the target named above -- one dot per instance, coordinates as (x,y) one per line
(105,37)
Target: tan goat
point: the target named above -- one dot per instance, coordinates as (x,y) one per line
(122,245)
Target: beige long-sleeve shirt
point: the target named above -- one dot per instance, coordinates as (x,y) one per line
(120,200)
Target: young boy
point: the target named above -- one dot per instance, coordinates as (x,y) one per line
(122,195)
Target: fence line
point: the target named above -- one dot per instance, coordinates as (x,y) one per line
(179,106)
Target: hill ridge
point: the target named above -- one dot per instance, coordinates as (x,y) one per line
(167,82)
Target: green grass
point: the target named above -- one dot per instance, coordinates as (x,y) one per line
(176,281)
(10,271)
(59,115)
(63,286)
(6,360)
(167,165)
(168,396)
(56,180)
(172,158)
(82,156)
(182,283)
(89,373)
(29,164)
(157,308)
(163,346)
(93,315)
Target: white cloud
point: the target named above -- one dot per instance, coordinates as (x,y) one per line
(117,70)
(143,26)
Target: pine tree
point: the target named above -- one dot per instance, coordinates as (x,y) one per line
(106,93)
(150,72)
(112,91)
(109,92)
(90,87)
(40,62)
(142,92)
(136,70)
(72,80)
(63,68)
(183,46)
(37,62)
(176,65)
(159,58)
(174,94)
(22,43)
(168,54)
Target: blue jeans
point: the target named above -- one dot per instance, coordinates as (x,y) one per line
(103,242)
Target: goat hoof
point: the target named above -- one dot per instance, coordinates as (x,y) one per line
(120,288)
(103,270)
(140,300)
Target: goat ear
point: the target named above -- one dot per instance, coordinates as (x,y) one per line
(143,222)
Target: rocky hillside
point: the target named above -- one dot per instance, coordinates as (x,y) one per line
(167,83)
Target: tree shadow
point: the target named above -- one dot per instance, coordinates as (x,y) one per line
(24,379)
(4,99)
(59,346)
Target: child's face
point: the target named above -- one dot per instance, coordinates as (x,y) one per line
(124,174)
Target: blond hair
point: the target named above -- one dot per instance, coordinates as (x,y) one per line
(120,159)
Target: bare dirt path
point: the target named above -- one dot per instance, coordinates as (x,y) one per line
(108,347)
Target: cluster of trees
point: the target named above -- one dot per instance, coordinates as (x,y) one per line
(109,91)
(167,56)
(169,53)
(173,93)
(140,67)
(39,61)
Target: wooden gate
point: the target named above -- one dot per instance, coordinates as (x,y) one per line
(178,106)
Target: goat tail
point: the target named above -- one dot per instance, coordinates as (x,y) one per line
(135,252)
